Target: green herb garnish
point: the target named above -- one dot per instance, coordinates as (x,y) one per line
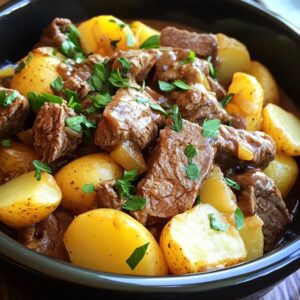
(211,128)
(239,219)
(176,117)
(118,81)
(151,42)
(232,183)
(126,64)
(136,256)
(99,78)
(192,171)
(216,224)
(6,143)
(224,102)
(21,65)
(88,188)
(37,100)
(57,84)
(7,99)
(80,124)
(190,151)
(99,102)
(189,59)
(168,87)
(211,68)
(40,167)
(29,58)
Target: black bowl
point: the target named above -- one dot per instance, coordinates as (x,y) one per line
(269,38)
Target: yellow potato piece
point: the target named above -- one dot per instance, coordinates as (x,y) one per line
(217,193)
(105,35)
(190,245)
(25,201)
(103,239)
(253,237)
(283,127)
(266,80)
(129,157)
(142,32)
(38,73)
(90,169)
(233,57)
(244,153)
(247,100)
(284,171)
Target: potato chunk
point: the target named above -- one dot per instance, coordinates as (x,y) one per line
(103,239)
(142,32)
(284,171)
(233,57)
(217,193)
(247,100)
(283,127)
(190,244)
(266,80)
(25,201)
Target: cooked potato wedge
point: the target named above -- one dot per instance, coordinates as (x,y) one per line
(217,193)
(105,35)
(267,82)
(233,57)
(103,239)
(90,169)
(284,171)
(142,32)
(283,127)
(25,201)
(129,157)
(247,100)
(39,71)
(190,244)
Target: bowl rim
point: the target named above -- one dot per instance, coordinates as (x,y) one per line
(284,257)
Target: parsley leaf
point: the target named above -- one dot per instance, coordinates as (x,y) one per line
(80,124)
(29,58)
(211,128)
(136,256)
(168,87)
(88,188)
(158,108)
(192,171)
(190,151)
(73,100)
(211,68)
(217,224)
(134,203)
(126,64)
(21,65)
(224,102)
(239,219)
(151,42)
(99,78)
(6,143)
(232,183)
(189,59)
(142,100)
(176,117)
(37,100)
(99,102)
(57,84)
(117,80)
(7,99)
(40,167)
(181,85)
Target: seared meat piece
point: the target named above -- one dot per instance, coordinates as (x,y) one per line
(166,187)
(52,139)
(141,61)
(75,78)
(125,118)
(217,88)
(13,116)
(55,34)
(203,44)
(230,141)
(260,195)
(46,237)
(106,196)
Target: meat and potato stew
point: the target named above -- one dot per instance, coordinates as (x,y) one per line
(134,151)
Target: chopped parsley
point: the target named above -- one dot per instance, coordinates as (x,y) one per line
(216,224)
(73,100)
(239,219)
(99,102)
(57,84)
(21,65)
(176,117)
(99,78)
(170,86)
(224,102)
(88,188)
(211,68)
(118,81)
(232,183)
(126,64)
(29,58)
(6,143)
(7,99)
(190,151)
(136,256)
(192,170)
(151,42)
(154,106)
(40,167)
(80,124)
(189,59)
(37,100)
(210,128)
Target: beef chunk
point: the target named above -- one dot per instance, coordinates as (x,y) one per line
(13,116)
(52,139)
(141,61)
(203,44)
(75,78)
(125,118)
(46,237)
(217,88)
(260,195)
(166,187)
(106,196)
(55,34)
(230,140)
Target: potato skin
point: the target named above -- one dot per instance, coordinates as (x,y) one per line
(25,201)
(283,127)
(90,169)
(38,73)
(284,171)
(103,239)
